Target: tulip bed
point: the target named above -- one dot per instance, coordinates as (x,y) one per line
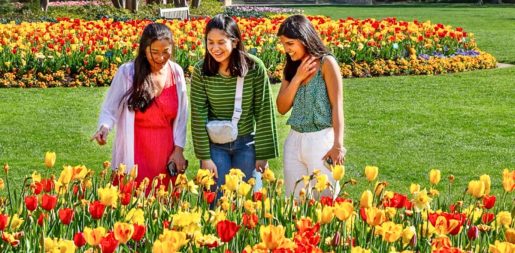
(73,52)
(80,211)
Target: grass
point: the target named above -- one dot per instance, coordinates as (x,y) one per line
(492,26)
(461,124)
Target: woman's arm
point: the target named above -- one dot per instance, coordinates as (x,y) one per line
(181,122)
(334,85)
(288,90)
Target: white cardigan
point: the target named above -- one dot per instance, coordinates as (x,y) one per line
(115,112)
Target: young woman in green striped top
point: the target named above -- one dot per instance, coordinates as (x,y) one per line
(312,89)
(213,90)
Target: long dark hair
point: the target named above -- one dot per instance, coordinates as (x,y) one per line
(239,60)
(298,27)
(142,90)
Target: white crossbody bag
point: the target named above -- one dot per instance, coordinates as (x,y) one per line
(225,131)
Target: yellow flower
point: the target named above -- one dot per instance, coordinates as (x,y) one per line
(108,195)
(390,231)
(476,188)
(421,200)
(343,210)
(435,176)
(15,221)
(244,189)
(66,246)
(135,216)
(268,175)
(508,180)
(192,187)
(51,245)
(322,182)
(338,172)
(414,188)
(50,159)
(169,241)
(99,58)
(366,199)
(325,215)
(504,218)
(36,177)
(488,183)
(66,175)
(123,232)
(2,184)
(272,236)
(502,247)
(94,236)
(375,216)
(204,178)
(231,182)
(203,240)
(371,172)
(407,234)
(237,172)
(359,250)
(510,235)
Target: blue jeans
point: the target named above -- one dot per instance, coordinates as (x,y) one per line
(238,154)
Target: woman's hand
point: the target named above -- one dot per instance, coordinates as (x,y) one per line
(101,135)
(209,165)
(177,157)
(306,69)
(261,165)
(337,154)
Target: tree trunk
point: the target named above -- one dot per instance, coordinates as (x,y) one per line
(117,4)
(180,3)
(44,5)
(196,3)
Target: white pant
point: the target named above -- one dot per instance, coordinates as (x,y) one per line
(303,153)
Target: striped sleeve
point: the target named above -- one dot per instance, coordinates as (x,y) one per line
(266,132)
(199,115)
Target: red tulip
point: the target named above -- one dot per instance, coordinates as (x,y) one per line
(109,243)
(398,201)
(79,240)
(139,232)
(487,218)
(41,219)
(31,202)
(209,197)
(250,221)
(258,196)
(473,233)
(37,187)
(489,201)
(48,202)
(226,230)
(166,224)
(3,221)
(125,198)
(96,209)
(48,184)
(66,215)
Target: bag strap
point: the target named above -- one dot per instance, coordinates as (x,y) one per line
(238,98)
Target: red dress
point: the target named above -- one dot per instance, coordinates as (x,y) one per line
(153,136)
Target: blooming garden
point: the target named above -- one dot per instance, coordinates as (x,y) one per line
(80,211)
(74,52)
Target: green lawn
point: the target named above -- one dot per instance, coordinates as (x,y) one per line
(462,124)
(493,27)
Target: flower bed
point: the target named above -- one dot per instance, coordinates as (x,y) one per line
(79,210)
(87,53)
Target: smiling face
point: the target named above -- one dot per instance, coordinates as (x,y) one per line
(220,46)
(158,54)
(294,48)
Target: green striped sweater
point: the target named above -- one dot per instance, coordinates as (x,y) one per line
(212,98)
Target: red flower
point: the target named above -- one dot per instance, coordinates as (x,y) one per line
(48,202)
(96,209)
(473,233)
(31,202)
(258,196)
(48,184)
(79,239)
(66,215)
(209,197)
(226,230)
(41,219)
(250,221)
(487,218)
(398,201)
(3,221)
(109,243)
(37,187)
(489,201)
(326,201)
(166,224)
(125,198)
(139,232)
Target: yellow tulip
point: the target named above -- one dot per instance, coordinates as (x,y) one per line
(407,234)
(272,236)
(135,216)
(390,231)
(123,232)
(50,159)
(366,199)
(325,215)
(414,188)
(488,183)
(435,176)
(51,245)
(169,241)
(476,188)
(508,180)
(504,218)
(343,210)
(36,177)
(204,178)
(66,246)
(371,172)
(94,236)
(66,175)
(338,172)
(502,247)
(359,250)
(108,195)
(375,216)
(231,182)
(244,189)
(268,175)
(15,221)
(321,183)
